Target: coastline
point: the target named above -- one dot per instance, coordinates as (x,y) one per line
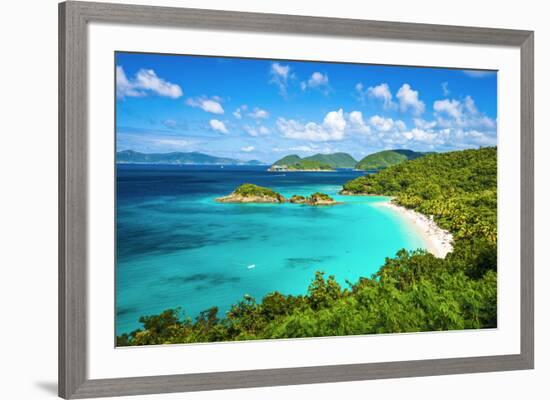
(302,170)
(439,242)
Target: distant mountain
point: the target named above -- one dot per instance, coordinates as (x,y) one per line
(135,157)
(254,162)
(387,158)
(335,160)
(288,160)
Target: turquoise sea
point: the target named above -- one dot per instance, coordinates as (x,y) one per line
(177,247)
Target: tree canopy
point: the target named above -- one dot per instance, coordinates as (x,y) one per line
(411,292)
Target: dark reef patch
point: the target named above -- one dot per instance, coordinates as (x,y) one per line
(125,310)
(202,280)
(304,262)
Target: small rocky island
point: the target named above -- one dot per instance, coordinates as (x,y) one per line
(296,199)
(250,193)
(320,199)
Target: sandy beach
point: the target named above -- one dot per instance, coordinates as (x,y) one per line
(439,241)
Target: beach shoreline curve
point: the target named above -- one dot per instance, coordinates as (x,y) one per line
(439,242)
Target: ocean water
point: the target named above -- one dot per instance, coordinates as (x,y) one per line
(177,247)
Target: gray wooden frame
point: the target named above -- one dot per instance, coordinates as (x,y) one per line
(73,172)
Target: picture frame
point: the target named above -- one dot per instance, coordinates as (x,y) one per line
(74,18)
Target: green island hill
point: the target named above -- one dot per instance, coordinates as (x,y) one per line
(413,291)
(317,162)
(387,158)
(250,193)
(320,199)
(297,199)
(316,199)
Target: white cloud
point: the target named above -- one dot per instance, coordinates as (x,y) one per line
(461,114)
(408,99)
(247,149)
(457,124)
(148,80)
(258,113)
(400,125)
(124,87)
(312,148)
(279,76)
(259,130)
(423,124)
(445,88)
(453,108)
(211,105)
(170,123)
(145,82)
(470,105)
(475,137)
(360,92)
(420,135)
(382,124)
(382,92)
(479,74)
(357,123)
(280,70)
(218,126)
(316,81)
(304,148)
(178,143)
(238,112)
(332,128)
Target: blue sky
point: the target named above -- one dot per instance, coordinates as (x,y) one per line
(266,109)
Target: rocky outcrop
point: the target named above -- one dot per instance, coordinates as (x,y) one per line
(320,199)
(249,193)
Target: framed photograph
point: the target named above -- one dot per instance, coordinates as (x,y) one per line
(253,200)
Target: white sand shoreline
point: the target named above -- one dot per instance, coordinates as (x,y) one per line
(439,242)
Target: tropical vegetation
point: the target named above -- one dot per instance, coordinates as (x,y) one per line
(386,158)
(459,189)
(250,193)
(249,189)
(317,161)
(411,292)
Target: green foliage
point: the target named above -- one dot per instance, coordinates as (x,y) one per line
(335,160)
(317,161)
(288,160)
(386,158)
(459,189)
(297,199)
(318,196)
(411,292)
(249,190)
(309,164)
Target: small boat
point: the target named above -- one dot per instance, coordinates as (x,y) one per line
(251,266)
